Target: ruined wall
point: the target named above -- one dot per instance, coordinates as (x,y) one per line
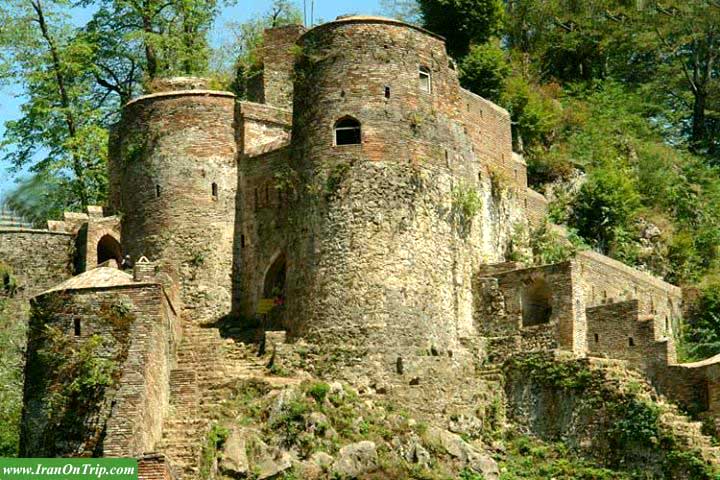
(510,302)
(178,170)
(130,334)
(274,84)
(608,281)
(261,127)
(39,259)
(381,249)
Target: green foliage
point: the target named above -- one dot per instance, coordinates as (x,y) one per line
(8,283)
(530,459)
(214,442)
(548,246)
(12,337)
(605,206)
(319,391)
(484,70)
(702,331)
(463,22)
(466,203)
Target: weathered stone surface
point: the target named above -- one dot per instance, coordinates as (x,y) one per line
(234,460)
(356,459)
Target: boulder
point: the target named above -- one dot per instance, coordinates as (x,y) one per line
(234,462)
(356,459)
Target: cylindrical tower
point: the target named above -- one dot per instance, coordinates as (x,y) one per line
(177,181)
(379,251)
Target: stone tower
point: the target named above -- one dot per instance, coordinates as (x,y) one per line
(174,180)
(395,209)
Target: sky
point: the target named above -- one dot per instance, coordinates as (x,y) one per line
(10,101)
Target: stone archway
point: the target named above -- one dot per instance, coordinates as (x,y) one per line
(274,281)
(536,303)
(108,248)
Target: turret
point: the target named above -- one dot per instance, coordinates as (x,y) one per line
(175,184)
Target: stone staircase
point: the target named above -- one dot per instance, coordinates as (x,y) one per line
(208,366)
(686,431)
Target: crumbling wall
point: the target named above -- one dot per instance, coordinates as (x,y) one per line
(509,302)
(536,207)
(262,127)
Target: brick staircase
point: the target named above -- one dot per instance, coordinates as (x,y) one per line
(208,366)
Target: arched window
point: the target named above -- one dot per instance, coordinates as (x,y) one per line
(348,132)
(214,191)
(425,78)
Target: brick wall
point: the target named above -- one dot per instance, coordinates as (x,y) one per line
(40,259)
(126,420)
(155,467)
(608,281)
(261,127)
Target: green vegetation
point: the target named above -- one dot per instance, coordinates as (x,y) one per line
(12,341)
(629,420)
(466,203)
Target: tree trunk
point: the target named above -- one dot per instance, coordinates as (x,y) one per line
(699,138)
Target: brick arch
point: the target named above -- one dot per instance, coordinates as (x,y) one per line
(274,278)
(108,248)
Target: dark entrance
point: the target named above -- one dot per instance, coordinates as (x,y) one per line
(108,249)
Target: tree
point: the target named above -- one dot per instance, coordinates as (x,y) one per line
(405,10)
(60,132)
(485,69)
(463,22)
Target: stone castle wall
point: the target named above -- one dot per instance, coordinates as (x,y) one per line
(178,170)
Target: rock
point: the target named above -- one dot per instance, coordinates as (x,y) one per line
(482,463)
(466,425)
(356,459)
(336,391)
(412,450)
(268,467)
(322,460)
(317,423)
(234,462)
(468,455)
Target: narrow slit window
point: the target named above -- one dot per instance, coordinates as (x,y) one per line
(425,79)
(597,338)
(215,191)
(348,132)
(631,342)
(76,326)
(242,241)
(387,92)
(157,191)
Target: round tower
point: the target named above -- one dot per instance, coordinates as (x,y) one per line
(380,251)
(175,182)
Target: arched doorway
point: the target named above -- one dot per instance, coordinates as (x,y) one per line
(108,248)
(274,282)
(536,303)
(272,304)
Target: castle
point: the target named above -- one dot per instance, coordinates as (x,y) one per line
(361,201)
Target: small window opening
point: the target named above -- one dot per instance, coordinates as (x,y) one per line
(76,326)
(348,132)
(597,338)
(157,191)
(667,324)
(215,191)
(526,204)
(387,92)
(631,341)
(479,176)
(242,241)
(425,79)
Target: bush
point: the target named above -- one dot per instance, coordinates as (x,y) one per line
(484,70)
(605,207)
(319,391)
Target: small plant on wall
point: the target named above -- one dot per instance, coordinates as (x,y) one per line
(466,203)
